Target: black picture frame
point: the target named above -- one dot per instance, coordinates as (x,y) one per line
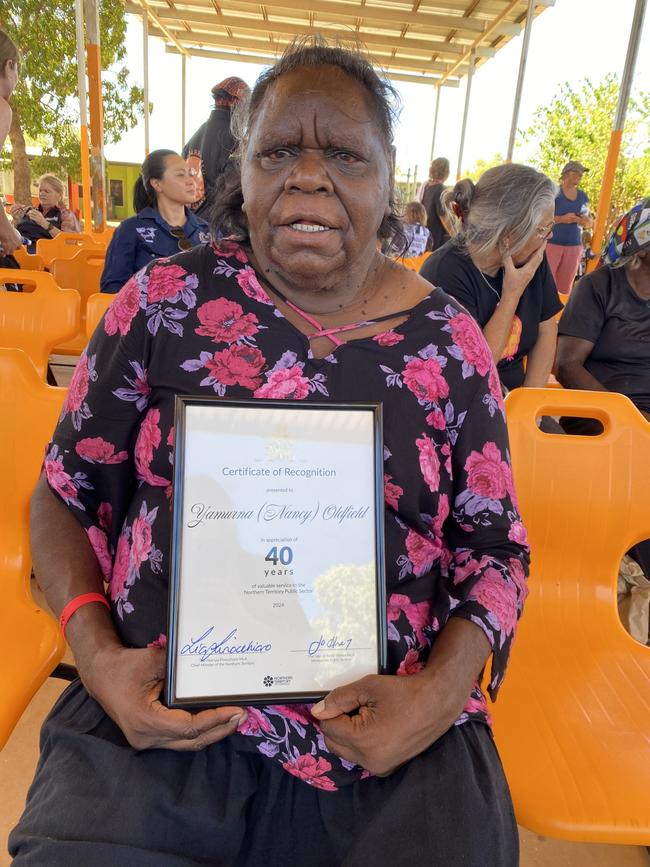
(260,698)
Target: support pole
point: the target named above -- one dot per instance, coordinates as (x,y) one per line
(96,114)
(435,123)
(520,79)
(470,75)
(183,97)
(83,117)
(605,200)
(145,61)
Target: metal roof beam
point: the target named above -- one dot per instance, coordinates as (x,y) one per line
(267,60)
(145,9)
(441,49)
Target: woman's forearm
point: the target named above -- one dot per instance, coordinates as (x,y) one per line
(572,374)
(498,328)
(542,356)
(65,566)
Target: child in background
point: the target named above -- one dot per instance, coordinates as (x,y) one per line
(418,236)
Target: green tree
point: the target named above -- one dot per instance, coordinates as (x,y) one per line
(482,166)
(577,126)
(45,104)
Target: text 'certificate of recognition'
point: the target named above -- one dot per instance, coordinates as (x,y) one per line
(277,585)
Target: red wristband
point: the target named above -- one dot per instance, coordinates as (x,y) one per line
(76,603)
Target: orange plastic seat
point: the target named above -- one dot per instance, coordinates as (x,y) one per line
(66,245)
(82,272)
(30,640)
(572,721)
(38,318)
(414,263)
(97,305)
(104,237)
(28,261)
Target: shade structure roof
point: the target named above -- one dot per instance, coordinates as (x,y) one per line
(424,41)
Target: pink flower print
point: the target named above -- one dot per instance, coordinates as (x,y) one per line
(298,712)
(225,322)
(78,388)
(312,771)
(229,249)
(411,663)
(170,436)
(494,384)
(396,604)
(498,596)
(424,378)
(429,462)
(161,641)
(436,419)
(105,516)
(517,533)
(518,575)
(256,723)
(59,480)
(422,551)
(118,583)
(237,365)
(388,338)
(469,338)
(166,282)
(148,440)
(99,544)
(488,475)
(466,566)
(96,450)
(392,492)
(287,383)
(141,541)
(123,309)
(250,285)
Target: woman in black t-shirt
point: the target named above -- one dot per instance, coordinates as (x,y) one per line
(430,197)
(496,267)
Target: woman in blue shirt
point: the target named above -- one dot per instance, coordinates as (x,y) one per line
(163,224)
(564,249)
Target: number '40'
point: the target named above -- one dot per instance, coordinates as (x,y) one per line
(284,556)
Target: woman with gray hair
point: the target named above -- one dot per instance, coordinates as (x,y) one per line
(496,267)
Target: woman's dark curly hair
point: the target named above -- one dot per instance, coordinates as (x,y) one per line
(227,217)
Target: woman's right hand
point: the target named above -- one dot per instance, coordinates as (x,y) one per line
(128,685)
(515,279)
(10,240)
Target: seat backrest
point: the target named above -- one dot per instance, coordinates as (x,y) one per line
(573,717)
(81,272)
(97,305)
(65,245)
(104,237)
(30,641)
(27,261)
(35,321)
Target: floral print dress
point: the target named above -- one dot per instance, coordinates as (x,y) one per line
(201,323)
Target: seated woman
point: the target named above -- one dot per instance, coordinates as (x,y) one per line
(50,217)
(495,266)
(296,303)
(604,342)
(163,224)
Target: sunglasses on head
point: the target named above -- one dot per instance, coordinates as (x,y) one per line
(184,242)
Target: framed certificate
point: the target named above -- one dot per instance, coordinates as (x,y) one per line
(277,590)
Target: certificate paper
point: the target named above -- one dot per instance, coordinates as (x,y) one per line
(277,585)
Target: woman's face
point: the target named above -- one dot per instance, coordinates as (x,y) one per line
(9,79)
(540,236)
(178,182)
(48,196)
(315,179)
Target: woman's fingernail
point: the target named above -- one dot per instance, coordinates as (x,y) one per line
(318,708)
(238,718)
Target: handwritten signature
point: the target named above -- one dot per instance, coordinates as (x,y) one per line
(331,643)
(226,646)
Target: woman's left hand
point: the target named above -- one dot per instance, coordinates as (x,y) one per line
(36,217)
(398,718)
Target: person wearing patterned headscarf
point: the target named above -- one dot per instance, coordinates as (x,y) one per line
(208,150)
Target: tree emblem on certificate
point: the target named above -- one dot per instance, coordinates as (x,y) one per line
(277,585)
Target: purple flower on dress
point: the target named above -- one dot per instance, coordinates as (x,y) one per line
(140,388)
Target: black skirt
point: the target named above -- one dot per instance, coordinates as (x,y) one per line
(96,802)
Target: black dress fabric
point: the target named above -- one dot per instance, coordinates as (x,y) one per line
(95,802)
(431,202)
(453,269)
